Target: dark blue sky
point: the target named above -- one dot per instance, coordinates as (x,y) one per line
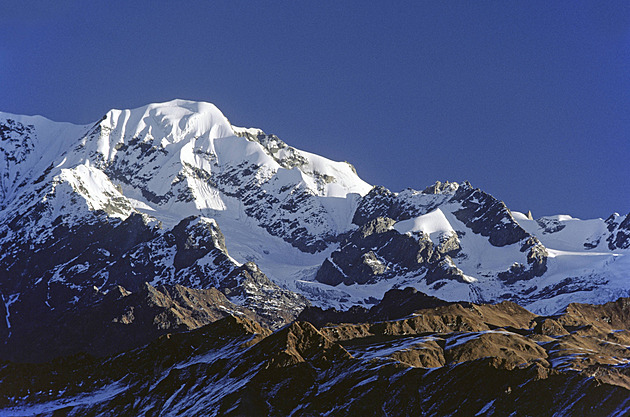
(529,101)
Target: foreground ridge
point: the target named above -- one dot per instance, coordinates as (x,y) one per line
(574,363)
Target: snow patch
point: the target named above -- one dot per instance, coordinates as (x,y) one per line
(434,224)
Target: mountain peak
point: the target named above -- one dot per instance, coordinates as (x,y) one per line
(171,121)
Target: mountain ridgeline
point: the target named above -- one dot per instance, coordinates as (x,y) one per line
(173,194)
(120,234)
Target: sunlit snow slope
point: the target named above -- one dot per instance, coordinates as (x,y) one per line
(308,223)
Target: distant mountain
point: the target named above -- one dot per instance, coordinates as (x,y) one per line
(171,195)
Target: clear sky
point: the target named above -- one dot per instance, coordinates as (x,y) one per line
(527,100)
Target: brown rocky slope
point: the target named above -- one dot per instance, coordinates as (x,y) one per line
(455,359)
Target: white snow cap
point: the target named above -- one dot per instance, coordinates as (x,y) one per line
(434,224)
(174,120)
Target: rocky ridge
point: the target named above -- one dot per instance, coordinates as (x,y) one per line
(575,362)
(120,321)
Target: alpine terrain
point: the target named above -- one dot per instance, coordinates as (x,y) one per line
(162,261)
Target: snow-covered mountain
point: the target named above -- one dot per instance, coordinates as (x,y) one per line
(459,243)
(172,193)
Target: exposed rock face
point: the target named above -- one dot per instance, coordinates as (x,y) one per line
(487,216)
(479,211)
(442,188)
(367,253)
(550,225)
(536,259)
(60,275)
(494,356)
(606,317)
(550,327)
(16,143)
(444,269)
(380,202)
(121,320)
(619,228)
(450,224)
(378,252)
(401,303)
(293,210)
(251,288)
(298,343)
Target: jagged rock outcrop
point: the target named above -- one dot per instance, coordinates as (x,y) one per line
(479,211)
(367,254)
(451,224)
(487,216)
(301,342)
(376,251)
(380,202)
(619,228)
(606,317)
(249,286)
(61,275)
(536,259)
